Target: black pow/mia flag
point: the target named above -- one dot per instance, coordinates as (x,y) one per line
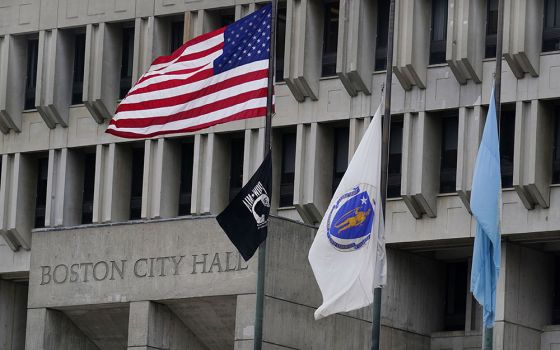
(245,220)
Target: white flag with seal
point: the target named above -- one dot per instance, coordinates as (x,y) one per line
(348,253)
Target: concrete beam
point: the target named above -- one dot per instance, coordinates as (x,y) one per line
(523,25)
(356,42)
(304,43)
(253,152)
(154,326)
(12,86)
(55,66)
(465,44)
(313,172)
(146,45)
(412,42)
(102,69)
(420,163)
(532,166)
(471,125)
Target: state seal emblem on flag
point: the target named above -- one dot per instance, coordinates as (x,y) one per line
(350,220)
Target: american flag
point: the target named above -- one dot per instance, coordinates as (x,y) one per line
(215,78)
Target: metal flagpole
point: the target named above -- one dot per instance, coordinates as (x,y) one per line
(488,333)
(376,320)
(259,310)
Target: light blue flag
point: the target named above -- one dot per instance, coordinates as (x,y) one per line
(486,208)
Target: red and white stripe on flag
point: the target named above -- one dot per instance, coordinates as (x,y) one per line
(215,78)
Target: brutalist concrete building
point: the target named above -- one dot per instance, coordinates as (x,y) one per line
(109,243)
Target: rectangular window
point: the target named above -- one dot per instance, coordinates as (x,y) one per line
(395,158)
(41,192)
(88,189)
(288,169)
(237,146)
(448,162)
(177,32)
(382,33)
(556,151)
(438,35)
(551,26)
(280,41)
(507,136)
(136,183)
(340,156)
(456,295)
(185,189)
(227,17)
(31,73)
(126,60)
(330,37)
(78,73)
(491,28)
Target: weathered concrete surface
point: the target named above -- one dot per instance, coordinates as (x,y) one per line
(148,261)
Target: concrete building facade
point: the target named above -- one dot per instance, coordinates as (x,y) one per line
(109,243)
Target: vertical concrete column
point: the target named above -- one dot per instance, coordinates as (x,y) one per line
(54,76)
(523,25)
(17,199)
(243,10)
(253,152)
(304,43)
(412,42)
(210,174)
(145,50)
(532,165)
(13,315)
(523,297)
(188,32)
(465,44)
(357,129)
(12,83)
(420,163)
(113,166)
(154,326)
(102,70)
(356,42)
(64,188)
(245,322)
(162,177)
(52,330)
(471,124)
(313,173)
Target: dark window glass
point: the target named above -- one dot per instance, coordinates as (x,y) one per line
(382,32)
(136,183)
(185,189)
(556,151)
(227,17)
(556,296)
(448,163)
(288,169)
(31,77)
(236,166)
(177,30)
(41,194)
(280,41)
(395,157)
(438,35)
(78,74)
(551,27)
(89,184)
(126,60)
(491,28)
(456,296)
(340,161)
(330,38)
(507,135)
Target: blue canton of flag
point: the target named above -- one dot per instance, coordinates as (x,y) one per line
(246,41)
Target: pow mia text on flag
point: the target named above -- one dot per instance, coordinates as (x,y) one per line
(245,219)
